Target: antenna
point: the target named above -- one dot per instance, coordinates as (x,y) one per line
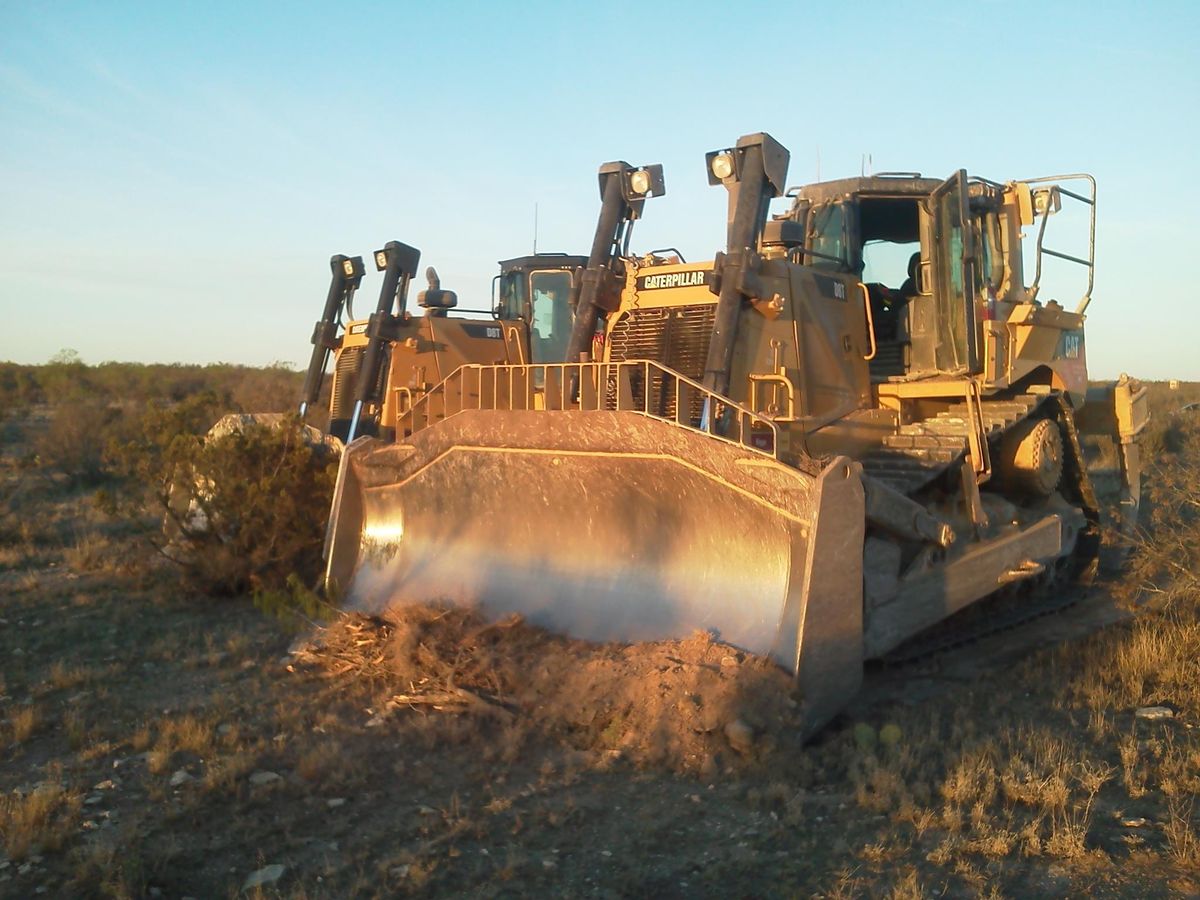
(818,162)
(535,229)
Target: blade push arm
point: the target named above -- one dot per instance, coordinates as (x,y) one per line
(398,262)
(623,193)
(753,172)
(347,276)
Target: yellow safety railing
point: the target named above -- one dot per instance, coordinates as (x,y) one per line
(635,385)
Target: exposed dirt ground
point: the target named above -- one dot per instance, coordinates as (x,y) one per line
(157,744)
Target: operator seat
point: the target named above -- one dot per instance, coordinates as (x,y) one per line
(908,290)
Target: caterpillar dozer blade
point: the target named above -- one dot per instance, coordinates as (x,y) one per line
(610,526)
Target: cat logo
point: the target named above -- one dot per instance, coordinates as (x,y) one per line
(1072,344)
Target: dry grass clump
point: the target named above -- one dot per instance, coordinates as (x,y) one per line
(76,729)
(908,887)
(142,738)
(63,676)
(187,733)
(321,762)
(1183,842)
(223,773)
(108,866)
(91,552)
(879,784)
(42,819)
(13,556)
(22,724)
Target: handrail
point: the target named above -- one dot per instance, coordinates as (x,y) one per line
(779,379)
(977,442)
(1040,250)
(870,322)
(514,335)
(642,386)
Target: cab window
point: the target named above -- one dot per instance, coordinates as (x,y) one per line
(992,270)
(550,317)
(514,295)
(827,237)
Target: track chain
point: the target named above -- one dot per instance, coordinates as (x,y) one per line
(1048,599)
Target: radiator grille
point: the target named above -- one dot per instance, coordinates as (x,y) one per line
(677,337)
(345,377)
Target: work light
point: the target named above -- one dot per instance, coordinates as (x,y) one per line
(721,165)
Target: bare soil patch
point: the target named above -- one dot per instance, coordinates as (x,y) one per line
(694,706)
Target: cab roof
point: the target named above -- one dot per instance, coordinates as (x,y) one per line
(542,261)
(901,183)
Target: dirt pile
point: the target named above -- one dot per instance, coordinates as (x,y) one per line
(693,705)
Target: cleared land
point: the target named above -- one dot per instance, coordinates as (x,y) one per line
(156,742)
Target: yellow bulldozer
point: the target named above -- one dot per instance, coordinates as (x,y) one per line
(853,422)
(379,360)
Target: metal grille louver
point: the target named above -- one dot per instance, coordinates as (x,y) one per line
(677,337)
(345,377)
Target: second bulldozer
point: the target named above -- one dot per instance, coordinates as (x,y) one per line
(855,421)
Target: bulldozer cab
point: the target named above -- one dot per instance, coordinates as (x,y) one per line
(941,263)
(537,290)
(903,236)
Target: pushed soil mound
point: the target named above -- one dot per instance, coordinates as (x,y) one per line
(693,705)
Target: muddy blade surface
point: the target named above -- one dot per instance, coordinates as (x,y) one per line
(602,526)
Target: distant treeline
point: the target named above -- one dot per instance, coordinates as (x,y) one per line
(66,380)
(82,421)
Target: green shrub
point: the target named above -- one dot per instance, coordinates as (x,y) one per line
(241,512)
(75,441)
(1164,434)
(264,495)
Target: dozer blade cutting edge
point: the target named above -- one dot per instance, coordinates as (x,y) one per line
(610,526)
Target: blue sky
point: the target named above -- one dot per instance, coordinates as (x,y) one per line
(174,177)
